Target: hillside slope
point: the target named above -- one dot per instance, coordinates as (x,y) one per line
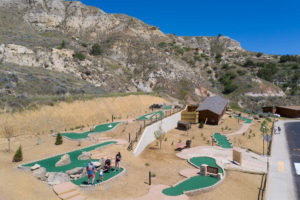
(118,53)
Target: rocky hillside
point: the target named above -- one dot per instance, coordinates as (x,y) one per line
(116,53)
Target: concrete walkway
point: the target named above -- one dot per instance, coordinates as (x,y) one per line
(280,180)
(251,162)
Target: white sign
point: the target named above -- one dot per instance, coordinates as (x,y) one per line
(297,167)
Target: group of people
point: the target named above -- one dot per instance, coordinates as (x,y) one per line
(91,169)
(277,130)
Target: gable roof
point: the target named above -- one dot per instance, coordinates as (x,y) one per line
(216,104)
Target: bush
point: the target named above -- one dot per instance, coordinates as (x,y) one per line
(59,139)
(249,63)
(62,45)
(79,56)
(229,88)
(18,155)
(201,125)
(259,54)
(162,44)
(241,72)
(218,58)
(96,50)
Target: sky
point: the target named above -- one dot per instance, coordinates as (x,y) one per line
(268,26)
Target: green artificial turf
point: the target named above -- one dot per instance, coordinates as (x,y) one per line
(195,182)
(222,141)
(198,161)
(247,121)
(98,129)
(106,176)
(153,115)
(169,107)
(49,163)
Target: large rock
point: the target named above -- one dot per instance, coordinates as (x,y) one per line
(64,160)
(77,170)
(40,173)
(85,156)
(57,178)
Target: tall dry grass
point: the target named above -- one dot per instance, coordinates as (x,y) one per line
(65,116)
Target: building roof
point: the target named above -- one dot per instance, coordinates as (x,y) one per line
(216,104)
(290,107)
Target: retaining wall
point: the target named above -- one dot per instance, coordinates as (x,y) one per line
(148,136)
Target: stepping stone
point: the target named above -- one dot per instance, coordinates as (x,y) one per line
(69,195)
(64,188)
(79,197)
(34,167)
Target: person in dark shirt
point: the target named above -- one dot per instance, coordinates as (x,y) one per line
(118,160)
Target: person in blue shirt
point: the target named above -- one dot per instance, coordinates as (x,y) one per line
(91,171)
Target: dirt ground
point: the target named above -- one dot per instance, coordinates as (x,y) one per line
(134,183)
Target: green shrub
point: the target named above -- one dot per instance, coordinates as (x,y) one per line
(147,164)
(230,88)
(201,125)
(162,44)
(218,58)
(241,72)
(259,54)
(84,44)
(62,45)
(96,50)
(79,56)
(18,155)
(59,139)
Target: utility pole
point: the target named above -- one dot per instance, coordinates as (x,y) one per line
(263,128)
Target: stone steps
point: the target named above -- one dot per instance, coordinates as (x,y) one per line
(69,195)
(64,188)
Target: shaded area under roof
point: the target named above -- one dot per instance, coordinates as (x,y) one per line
(215,104)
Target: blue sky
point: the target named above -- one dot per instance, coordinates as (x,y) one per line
(259,25)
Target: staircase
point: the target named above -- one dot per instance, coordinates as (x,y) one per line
(68,191)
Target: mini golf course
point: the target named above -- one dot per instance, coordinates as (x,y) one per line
(195,182)
(247,121)
(169,107)
(49,164)
(106,176)
(98,129)
(222,141)
(159,114)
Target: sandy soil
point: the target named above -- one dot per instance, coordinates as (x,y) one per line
(134,183)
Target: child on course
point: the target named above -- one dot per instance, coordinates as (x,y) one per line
(101,175)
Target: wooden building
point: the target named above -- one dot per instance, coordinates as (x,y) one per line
(212,109)
(269,109)
(288,111)
(190,115)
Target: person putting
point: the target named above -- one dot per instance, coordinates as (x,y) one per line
(118,160)
(91,171)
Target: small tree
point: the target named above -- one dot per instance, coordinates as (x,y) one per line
(18,155)
(62,45)
(96,50)
(159,135)
(59,139)
(8,132)
(201,125)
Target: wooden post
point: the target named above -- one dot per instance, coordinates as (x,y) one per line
(112,118)
(129,138)
(149,177)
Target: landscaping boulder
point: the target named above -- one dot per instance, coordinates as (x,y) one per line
(40,173)
(64,160)
(77,170)
(85,156)
(56,178)
(34,167)
(97,164)
(83,174)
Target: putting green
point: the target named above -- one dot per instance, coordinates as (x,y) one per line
(247,121)
(49,163)
(195,182)
(149,116)
(98,129)
(169,107)
(106,176)
(222,141)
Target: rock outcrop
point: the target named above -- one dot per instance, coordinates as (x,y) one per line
(64,160)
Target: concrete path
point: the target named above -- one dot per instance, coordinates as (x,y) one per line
(242,130)
(280,180)
(251,162)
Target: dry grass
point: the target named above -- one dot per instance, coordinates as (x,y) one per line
(252,139)
(65,116)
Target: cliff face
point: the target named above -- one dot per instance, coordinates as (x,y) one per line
(135,56)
